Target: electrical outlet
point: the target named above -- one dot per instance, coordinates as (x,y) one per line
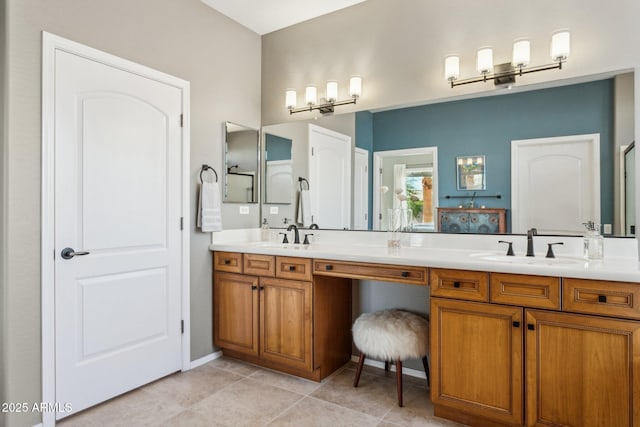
(606,229)
(273,210)
(244,210)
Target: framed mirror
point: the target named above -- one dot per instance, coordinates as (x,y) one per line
(470,173)
(241,163)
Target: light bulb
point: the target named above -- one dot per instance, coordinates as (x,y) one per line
(290,98)
(560,45)
(355,87)
(332,91)
(521,53)
(311,95)
(452,68)
(484,63)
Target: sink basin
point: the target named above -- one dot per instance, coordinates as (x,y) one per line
(525,260)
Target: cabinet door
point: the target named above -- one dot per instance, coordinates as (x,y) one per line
(582,370)
(235,308)
(285,320)
(477,359)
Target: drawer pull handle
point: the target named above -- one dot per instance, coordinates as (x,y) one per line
(253,288)
(405,274)
(262,288)
(531,327)
(227,261)
(602,298)
(292,268)
(456,284)
(516,324)
(328,267)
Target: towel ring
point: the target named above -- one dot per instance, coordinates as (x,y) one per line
(204,168)
(301,180)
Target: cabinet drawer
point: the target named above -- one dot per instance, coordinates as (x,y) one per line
(293,268)
(462,284)
(227,261)
(259,265)
(618,299)
(526,291)
(359,270)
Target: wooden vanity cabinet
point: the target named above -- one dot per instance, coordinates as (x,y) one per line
(582,370)
(477,361)
(524,362)
(263,315)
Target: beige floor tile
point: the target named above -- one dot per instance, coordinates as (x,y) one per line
(188,388)
(287,382)
(311,412)
(136,408)
(246,403)
(235,366)
(417,412)
(188,418)
(375,394)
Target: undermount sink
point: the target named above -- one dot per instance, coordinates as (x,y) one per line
(540,260)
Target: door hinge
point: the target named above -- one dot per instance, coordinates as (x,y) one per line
(380,171)
(380,216)
(312,151)
(366,169)
(181,223)
(181,120)
(365,217)
(182,326)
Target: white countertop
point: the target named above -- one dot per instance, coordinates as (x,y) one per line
(481,253)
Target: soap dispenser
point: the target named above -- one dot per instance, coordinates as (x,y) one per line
(265,233)
(593,242)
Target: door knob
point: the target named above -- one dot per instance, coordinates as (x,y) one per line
(68,253)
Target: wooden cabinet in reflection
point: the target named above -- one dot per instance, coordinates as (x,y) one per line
(472,220)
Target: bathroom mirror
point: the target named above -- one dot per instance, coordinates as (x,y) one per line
(278,169)
(486,126)
(241,163)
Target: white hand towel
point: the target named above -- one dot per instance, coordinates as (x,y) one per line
(304,208)
(209,208)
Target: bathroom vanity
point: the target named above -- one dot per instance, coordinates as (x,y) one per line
(513,342)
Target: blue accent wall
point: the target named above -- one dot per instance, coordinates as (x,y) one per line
(486,126)
(277,148)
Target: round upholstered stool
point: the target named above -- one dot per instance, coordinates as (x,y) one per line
(391,335)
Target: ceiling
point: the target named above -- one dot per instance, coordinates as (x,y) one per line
(265,16)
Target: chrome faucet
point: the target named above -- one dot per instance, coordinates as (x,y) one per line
(530,233)
(296,238)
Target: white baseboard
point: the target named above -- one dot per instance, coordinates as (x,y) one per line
(205,359)
(405,371)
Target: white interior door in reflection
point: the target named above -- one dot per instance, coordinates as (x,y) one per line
(555,184)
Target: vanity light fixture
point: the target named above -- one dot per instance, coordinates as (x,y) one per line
(506,73)
(330,100)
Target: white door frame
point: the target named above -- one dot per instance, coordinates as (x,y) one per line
(357,150)
(51,43)
(378,157)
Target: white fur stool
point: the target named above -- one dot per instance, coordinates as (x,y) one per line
(391,335)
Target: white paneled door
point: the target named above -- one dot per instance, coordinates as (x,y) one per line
(555,183)
(361,189)
(330,178)
(118,157)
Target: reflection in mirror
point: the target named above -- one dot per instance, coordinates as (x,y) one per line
(486,126)
(278,169)
(241,155)
(407,179)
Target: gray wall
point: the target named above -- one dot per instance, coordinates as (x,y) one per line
(187,39)
(3,181)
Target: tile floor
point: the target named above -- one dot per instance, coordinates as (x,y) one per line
(226,392)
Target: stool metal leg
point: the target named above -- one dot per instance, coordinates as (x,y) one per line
(386,366)
(399,380)
(425,362)
(359,369)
